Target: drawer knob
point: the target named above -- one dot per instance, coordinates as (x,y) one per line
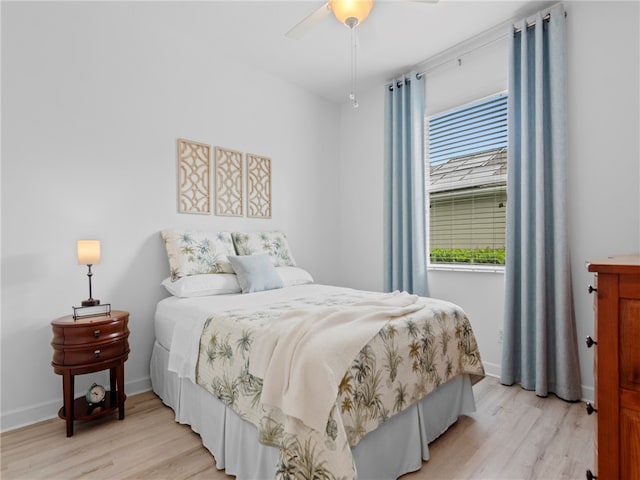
(96,353)
(590,342)
(96,333)
(590,289)
(590,409)
(590,475)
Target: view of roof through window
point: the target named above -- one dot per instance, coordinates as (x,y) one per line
(473,170)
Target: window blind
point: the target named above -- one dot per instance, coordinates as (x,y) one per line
(468,226)
(471,129)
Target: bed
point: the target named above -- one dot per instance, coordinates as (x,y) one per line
(247,371)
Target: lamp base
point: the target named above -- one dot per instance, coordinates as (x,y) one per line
(91,302)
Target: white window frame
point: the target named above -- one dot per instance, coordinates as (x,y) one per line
(453,267)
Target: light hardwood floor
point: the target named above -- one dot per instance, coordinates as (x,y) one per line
(513,435)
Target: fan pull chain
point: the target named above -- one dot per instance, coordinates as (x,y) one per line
(352,95)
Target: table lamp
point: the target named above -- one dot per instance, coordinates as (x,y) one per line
(89,254)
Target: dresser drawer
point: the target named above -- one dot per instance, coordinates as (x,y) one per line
(88,333)
(86,354)
(629,327)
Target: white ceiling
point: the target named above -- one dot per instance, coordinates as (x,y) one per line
(397,35)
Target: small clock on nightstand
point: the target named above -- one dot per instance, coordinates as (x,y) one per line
(95,394)
(95,397)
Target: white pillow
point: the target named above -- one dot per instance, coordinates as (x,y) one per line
(294,276)
(203,285)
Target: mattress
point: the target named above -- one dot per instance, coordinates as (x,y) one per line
(188,311)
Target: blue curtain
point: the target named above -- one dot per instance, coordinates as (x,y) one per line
(405,246)
(539,345)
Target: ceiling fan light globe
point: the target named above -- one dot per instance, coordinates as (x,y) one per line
(351,12)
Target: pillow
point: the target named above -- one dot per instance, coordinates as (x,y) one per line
(202,285)
(196,253)
(273,243)
(255,273)
(291,276)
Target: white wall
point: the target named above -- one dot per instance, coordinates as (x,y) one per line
(604,200)
(94,96)
(604,146)
(361,182)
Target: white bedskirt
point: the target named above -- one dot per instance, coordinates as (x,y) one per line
(395,448)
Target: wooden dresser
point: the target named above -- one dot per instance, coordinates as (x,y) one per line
(616,368)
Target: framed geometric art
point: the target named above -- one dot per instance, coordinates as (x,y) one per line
(228,170)
(194,194)
(258,186)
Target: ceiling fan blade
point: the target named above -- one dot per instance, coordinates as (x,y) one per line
(301,28)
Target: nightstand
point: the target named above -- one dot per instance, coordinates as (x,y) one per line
(87,345)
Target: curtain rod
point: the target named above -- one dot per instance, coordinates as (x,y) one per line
(483,45)
(494,34)
(491,36)
(531,23)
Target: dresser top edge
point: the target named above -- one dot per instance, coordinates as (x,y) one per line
(616,264)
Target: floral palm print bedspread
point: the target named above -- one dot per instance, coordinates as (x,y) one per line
(408,358)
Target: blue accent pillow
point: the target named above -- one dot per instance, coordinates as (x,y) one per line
(255,272)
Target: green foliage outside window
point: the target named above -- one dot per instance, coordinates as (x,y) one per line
(493,256)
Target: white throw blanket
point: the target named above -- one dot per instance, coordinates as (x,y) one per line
(303,356)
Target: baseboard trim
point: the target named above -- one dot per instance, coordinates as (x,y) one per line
(22,417)
(588,394)
(491,369)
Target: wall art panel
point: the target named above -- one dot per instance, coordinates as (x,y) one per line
(258,186)
(228,171)
(194,174)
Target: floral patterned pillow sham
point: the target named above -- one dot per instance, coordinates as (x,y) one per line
(273,243)
(196,253)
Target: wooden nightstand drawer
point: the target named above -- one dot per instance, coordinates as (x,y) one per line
(94,353)
(82,335)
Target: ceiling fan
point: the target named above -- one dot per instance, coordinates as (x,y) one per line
(348,12)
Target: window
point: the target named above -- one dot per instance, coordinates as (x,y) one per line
(467,183)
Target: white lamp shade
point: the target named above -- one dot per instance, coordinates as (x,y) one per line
(88,252)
